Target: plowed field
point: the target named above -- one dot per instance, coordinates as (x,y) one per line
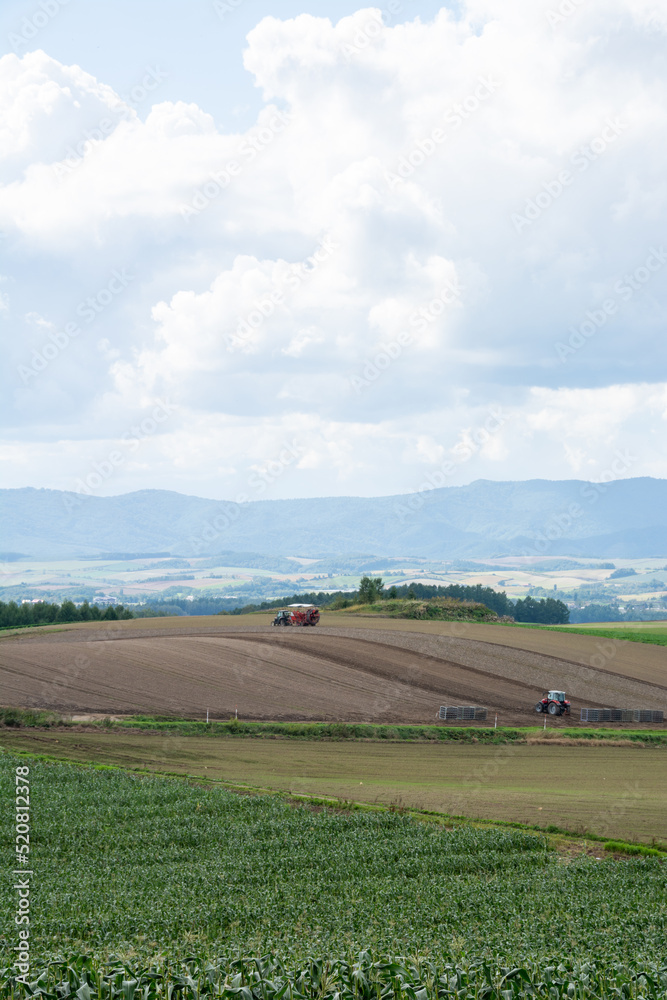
(353,669)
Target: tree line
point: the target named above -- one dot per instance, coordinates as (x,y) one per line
(45,613)
(371,589)
(545,611)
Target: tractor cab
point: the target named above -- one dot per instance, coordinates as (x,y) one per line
(555,703)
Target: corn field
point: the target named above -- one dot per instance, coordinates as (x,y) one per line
(267,978)
(153,886)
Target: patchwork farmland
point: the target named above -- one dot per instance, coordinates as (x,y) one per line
(339,858)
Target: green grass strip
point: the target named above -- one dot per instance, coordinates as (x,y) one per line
(622,847)
(379,732)
(654,637)
(21,718)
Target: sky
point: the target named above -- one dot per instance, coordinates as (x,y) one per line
(292,249)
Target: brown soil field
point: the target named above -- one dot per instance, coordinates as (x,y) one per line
(355,669)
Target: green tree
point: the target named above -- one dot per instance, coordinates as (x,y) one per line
(9,614)
(544,612)
(45,612)
(370,589)
(68,612)
(26,615)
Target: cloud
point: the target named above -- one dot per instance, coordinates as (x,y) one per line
(424,222)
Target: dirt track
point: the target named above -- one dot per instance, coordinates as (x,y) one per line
(356,670)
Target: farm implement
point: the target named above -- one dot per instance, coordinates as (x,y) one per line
(297,614)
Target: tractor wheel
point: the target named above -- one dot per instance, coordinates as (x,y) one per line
(554,709)
(539,707)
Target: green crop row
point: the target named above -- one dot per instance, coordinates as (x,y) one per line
(376,731)
(325,730)
(622,847)
(363,978)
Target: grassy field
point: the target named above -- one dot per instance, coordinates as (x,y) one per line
(142,867)
(612,791)
(654,633)
(659,624)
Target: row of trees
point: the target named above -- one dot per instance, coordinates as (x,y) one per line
(493,599)
(372,589)
(44,613)
(543,612)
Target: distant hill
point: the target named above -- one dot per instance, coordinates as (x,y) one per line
(626,518)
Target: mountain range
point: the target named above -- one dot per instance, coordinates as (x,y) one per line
(626,518)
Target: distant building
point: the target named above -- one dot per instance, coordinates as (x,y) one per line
(105,600)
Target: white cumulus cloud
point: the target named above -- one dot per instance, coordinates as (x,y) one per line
(427,220)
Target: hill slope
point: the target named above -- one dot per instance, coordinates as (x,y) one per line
(363,670)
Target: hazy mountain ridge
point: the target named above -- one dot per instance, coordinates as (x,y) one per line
(486,519)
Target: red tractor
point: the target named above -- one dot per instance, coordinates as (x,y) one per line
(555,703)
(298,614)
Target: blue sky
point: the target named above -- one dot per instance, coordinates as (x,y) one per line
(367,248)
(198,44)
